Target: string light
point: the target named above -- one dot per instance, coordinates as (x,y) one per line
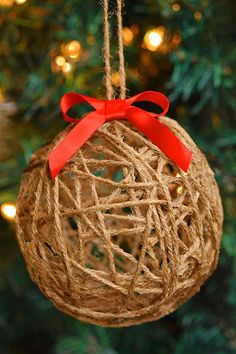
(67,67)
(73,49)
(8,211)
(60,60)
(115,79)
(197,15)
(20,2)
(154,38)
(176,40)
(9,3)
(176,7)
(90,39)
(6,3)
(127,36)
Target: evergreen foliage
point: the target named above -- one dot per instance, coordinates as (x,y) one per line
(195,67)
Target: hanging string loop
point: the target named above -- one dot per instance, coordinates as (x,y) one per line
(107,50)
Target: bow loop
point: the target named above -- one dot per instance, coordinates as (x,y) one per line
(106,110)
(71,99)
(153,97)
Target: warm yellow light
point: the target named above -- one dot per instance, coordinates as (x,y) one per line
(135,29)
(127,36)
(176,7)
(72,49)
(67,67)
(176,39)
(20,2)
(90,39)
(197,15)
(60,60)
(179,189)
(6,3)
(115,79)
(8,211)
(153,39)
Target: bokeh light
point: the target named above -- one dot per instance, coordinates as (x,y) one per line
(127,36)
(60,60)
(6,3)
(73,49)
(153,38)
(198,15)
(176,7)
(8,211)
(67,68)
(20,2)
(115,79)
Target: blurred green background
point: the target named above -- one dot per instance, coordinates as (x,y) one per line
(185,49)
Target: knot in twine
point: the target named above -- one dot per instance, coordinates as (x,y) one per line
(114,109)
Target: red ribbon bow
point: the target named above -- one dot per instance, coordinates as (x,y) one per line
(106,110)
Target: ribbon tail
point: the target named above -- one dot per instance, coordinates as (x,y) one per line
(161,136)
(73,141)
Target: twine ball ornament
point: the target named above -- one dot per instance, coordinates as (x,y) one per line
(122,236)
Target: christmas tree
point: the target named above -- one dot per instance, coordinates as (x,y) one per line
(184,49)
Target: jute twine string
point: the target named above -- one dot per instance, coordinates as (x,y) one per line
(122,236)
(107,51)
(121,50)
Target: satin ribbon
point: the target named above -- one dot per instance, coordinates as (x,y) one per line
(107,110)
